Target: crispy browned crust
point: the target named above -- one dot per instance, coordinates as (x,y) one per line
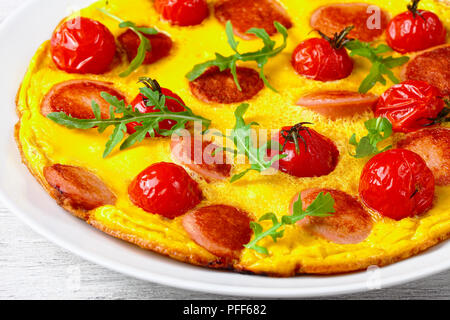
(156,247)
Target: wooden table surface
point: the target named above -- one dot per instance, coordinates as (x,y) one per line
(31,267)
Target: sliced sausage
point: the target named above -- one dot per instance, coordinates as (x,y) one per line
(433,145)
(75,97)
(247,14)
(222,230)
(338,104)
(350,223)
(198,156)
(215,86)
(432,66)
(77,187)
(333,18)
(160,42)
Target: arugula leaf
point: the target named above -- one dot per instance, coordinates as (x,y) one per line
(379,129)
(144,46)
(322,206)
(380,65)
(149,121)
(261,57)
(241,135)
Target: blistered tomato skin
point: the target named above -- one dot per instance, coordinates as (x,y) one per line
(165,189)
(409,33)
(83,45)
(410,105)
(316,59)
(397,184)
(183,12)
(319,158)
(140,104)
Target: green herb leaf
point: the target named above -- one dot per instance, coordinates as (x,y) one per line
(144,46)
(380,65)
(322,206)
(241,135)
(379,129)
(149,121)
(261,57)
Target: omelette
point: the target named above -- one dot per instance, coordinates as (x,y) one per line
(45,144)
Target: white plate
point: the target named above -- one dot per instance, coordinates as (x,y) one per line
(20,36)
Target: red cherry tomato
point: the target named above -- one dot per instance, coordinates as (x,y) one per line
(140,104)
(183,12)
(397,184)
(165,189)
(410,105)
(317,59)
(415,30)
(316,155)
(82,45)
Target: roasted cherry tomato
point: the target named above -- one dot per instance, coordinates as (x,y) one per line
(397,184)
(323,59)
(410,105)
(183,12)
(82,45)
(415,30)
(308,153)
(165,189)
(140,103)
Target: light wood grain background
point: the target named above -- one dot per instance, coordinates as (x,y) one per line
(31,267)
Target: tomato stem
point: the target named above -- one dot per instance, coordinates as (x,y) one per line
(442,116)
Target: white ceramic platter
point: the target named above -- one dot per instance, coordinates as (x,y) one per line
(20,36)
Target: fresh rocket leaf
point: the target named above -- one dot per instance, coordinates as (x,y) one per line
(261,57)
(380,65)
(144,46)
(379,129)
(241,135)
(322,206)
(149,121)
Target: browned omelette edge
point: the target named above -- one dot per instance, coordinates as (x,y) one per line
(218,263)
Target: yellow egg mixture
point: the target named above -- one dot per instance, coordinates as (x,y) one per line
(44,143)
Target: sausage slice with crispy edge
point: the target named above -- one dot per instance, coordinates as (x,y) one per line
(432,66)
(333,18)
(77,187)
(198,156)
(433,145)
(247,14)
(338,104)
(215,86)
(75,97)
(349,224)
(222,230)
